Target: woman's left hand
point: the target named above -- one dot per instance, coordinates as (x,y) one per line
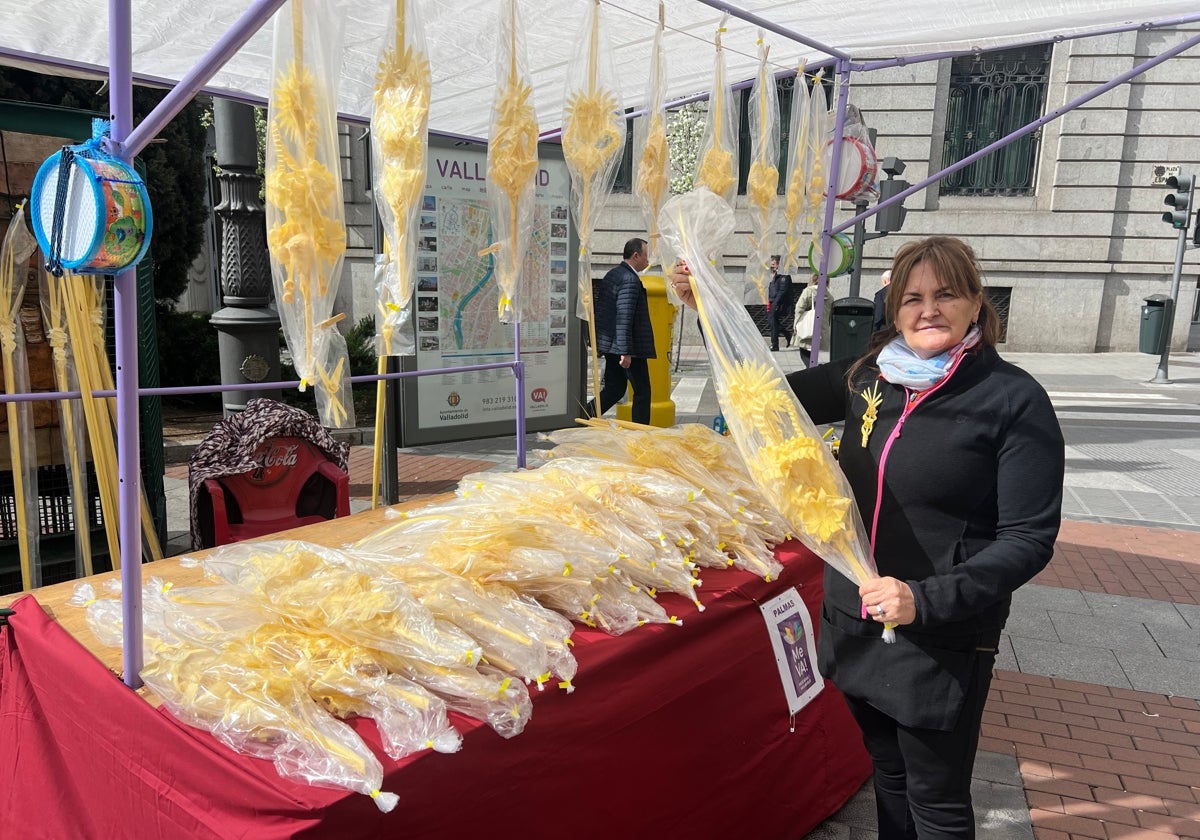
(888,601)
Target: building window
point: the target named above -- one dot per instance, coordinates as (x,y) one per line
(1001,299)
(991,95)
(623,183)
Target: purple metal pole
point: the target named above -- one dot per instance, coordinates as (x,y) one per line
(750,17)
(831,180)
(1112,30)
(1021,132)
(519,376)
(120,97)
(191,84)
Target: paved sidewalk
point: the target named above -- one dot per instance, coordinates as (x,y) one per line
(1092,727)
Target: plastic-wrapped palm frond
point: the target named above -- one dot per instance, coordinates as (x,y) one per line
(653,170)
(399,144)
(512,163)
(306,231)
(778,441)
(717,169)
(762,185)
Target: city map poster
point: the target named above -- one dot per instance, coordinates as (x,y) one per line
(457,297)
(790,629)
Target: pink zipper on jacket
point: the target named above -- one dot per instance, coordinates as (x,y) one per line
(911,401)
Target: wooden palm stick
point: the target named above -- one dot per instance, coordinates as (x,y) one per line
(11,292)
(98,427)
(149,529)
(56,333)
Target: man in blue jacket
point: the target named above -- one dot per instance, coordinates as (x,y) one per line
(624,334)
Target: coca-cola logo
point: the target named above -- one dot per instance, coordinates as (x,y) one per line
(273,462)
(539,395)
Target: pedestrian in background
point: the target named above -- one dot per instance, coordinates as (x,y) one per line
(780,304)
(880,320)
(962,509)
(624,333)
(806,314)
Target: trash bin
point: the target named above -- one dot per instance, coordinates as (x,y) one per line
(1156,314)
(850,328)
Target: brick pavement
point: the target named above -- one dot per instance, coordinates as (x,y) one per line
(1099,762)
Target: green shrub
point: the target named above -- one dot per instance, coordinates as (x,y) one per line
(187,352)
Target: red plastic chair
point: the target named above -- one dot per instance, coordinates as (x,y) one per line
(295,484)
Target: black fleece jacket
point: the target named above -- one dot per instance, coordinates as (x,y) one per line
(969,502)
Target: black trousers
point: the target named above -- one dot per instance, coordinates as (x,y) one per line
(617,379)
(781,324)
(922,777)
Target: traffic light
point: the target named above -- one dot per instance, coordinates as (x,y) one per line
(1179,217)
(890,219)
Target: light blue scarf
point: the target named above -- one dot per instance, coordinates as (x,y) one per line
(899,365)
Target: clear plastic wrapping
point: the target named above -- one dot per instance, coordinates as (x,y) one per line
(512,162)
(593,136)
(217,663)
(779,443)
(762,182)
(699,475)
(799,164)
(306,230)
(399,146)
(653,169)
(716,159)
(307,584)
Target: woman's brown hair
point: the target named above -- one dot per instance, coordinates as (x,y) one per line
(954,263)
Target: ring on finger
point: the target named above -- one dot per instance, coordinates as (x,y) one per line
(879,610)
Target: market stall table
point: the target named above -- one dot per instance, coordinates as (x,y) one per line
(676,731)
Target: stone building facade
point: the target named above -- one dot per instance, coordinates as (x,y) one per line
(1080,252)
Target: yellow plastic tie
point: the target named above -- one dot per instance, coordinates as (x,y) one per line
(516,712)
(565,685)
(653,591)
(676,620)
(566,569)
(569,642)
(504,685)
(542,679)
(691,496)
(375,794)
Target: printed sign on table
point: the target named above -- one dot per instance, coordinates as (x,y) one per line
(795,648)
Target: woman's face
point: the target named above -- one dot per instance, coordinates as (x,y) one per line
(933,317)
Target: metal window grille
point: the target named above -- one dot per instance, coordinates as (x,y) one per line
(991,95)
(1001,298)
(623,183)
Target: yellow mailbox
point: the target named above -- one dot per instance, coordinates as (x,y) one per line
(662,317)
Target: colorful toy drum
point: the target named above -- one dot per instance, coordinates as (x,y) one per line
(841,255)
(90,211)
(857,167)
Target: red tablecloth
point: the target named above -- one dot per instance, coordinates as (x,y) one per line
(672,732)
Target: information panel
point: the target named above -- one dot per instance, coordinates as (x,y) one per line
(456,309)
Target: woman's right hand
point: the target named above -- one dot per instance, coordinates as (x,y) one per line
(681,281)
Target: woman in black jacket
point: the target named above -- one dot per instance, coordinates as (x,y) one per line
(956,461)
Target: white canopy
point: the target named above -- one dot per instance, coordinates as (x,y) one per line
(170,36)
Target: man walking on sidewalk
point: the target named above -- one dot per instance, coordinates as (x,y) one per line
(780,304)
(624,333)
